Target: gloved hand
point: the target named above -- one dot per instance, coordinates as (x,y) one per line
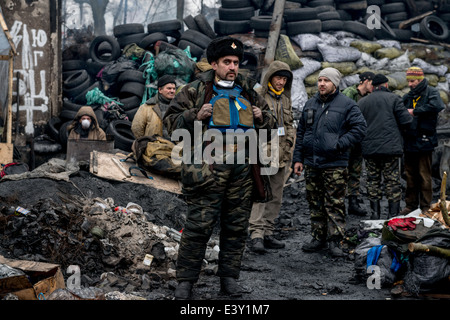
(402,223)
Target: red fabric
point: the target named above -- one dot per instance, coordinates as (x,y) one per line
(402,223)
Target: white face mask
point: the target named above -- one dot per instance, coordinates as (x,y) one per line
(85,124)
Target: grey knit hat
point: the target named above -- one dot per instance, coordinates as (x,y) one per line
(333,74)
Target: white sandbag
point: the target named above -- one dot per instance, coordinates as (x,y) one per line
(429,68)
(390,44)
(369,61)
(342,34)
(346,41)
(400,63)
(298,92)
(306,41)
(444,86)
(338,53)
(309,66)
(348,81)
(328,39)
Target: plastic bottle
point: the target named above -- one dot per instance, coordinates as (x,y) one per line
(121,209)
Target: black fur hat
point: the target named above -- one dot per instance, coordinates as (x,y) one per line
(224,46)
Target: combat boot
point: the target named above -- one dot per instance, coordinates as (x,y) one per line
(335,249)
(230,287)
(257,245)
(183,290)
(272,243)
(394,209)
(314,245)
(354,208)
(376,209)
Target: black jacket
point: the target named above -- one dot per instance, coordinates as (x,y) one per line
(386,117)
(327,130)
(421,135)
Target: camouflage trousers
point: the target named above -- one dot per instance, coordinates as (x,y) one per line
(354,170)
(383,173)
(217,192)
(325,193)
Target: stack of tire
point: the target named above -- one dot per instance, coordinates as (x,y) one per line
(234,17)
(261,25)
(302,20)
(444,15)
(197,36)
(331,20)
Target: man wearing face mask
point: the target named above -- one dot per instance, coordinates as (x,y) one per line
(85,126)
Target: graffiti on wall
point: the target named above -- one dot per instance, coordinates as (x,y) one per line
(32,83)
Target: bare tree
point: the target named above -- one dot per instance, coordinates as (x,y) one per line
(98,11)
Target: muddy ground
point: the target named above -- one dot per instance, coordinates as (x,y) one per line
(287,274)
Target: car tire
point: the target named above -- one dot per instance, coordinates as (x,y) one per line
(123,136)
(104,58)
(432,27)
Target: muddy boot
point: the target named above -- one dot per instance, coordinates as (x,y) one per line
(257,245)
(335,249)
(183,290)
(230,287)
(272,243)
(376,209)
(394,209)
(406,210)
(354,208)
(314,245)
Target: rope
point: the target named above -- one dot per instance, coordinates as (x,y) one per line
(149,74)
(95,96)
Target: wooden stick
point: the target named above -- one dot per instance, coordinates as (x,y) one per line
(436,251)
(443,203)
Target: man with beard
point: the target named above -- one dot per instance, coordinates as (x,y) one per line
(423,103)
(330,124)
(223,100)
(148,119)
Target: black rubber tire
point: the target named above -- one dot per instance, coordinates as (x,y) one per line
(332,25)
(164,26)
(81,98)
(52,128)
(236,14)
(354,5)
(131,113)
(190,23)
(194,49)
(66,114)
(94,67)
(375,2)
(403,35)
(95,54)
(132,89)
(300,14)
(70,105)
(232,4)
(123,136)
(262,23)
(298,27)
(392,8)
(320,9)
(222,27)
(358,28)
(148,41)
(344,15)
(204,26)
(76,79)
(131,75)
(70,65)
(197,38)
(75,91)
(131,38)
(63,133)
(329,15)
(396,16)
(130,102)
(432,27)
(318,3)
(127,29)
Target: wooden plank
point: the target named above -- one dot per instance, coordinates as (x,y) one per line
(10,94)
(413,20)
(119,165)
(6,153)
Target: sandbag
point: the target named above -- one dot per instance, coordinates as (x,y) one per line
(175,62)
(390,53)
(429,68)
(307,41)
(368,61)
(285,53)
(338,53)
(366,46)
(345,68)
(401,63)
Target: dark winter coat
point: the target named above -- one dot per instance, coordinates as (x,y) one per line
(327,130)
(421,135)
(385,116)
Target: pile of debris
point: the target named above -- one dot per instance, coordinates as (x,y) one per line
(118,248)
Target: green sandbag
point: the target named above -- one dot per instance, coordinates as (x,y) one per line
(285,52)
(366,46)
(345,68)
(390,53)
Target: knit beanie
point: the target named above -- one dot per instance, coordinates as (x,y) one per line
(414,73)
(333,74)
(165,79)
(379,79)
